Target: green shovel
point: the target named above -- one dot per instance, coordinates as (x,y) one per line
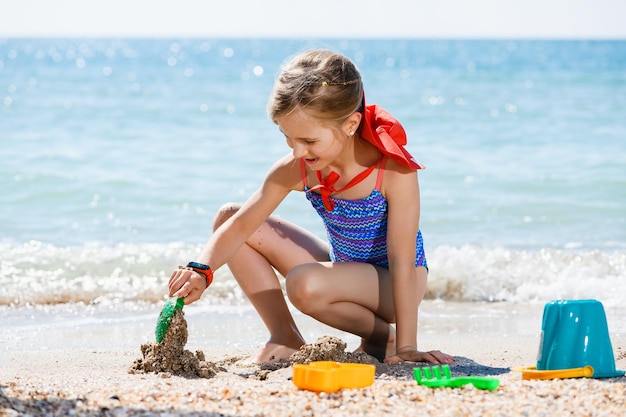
(165,318)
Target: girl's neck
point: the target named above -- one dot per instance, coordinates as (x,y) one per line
(357,155)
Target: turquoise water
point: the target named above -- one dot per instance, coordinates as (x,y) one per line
(116,153)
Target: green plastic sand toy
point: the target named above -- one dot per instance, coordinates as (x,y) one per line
(167,313)
(433,378)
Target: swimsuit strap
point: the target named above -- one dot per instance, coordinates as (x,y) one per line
(303,172)
(327,185)
(381,170)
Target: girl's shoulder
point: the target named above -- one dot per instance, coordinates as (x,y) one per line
(287,172)
(397,169)
(397,178)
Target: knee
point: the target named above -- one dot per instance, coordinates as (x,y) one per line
(224,213)
(304,289)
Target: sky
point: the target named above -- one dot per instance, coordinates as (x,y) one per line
(520,19)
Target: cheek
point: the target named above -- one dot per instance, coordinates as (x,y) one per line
(330,146)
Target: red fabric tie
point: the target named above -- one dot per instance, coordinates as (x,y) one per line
(327,185)
(385,132)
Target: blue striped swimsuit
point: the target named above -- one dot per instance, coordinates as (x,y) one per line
(357,229)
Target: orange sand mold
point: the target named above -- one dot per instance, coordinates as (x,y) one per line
(327,376)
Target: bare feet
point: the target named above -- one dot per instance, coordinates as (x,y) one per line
(273,352)
(379,350)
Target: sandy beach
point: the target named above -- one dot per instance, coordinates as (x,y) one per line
(119,151)
(90,382)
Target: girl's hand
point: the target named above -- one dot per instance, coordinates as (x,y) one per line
(186,283)
(433,356)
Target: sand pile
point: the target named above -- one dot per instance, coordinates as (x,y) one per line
(170,356)
(330,348)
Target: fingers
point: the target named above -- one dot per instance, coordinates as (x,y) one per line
(193,295)
(442,357)
(434,356)
(177,279)
(183,291)
(186,283)
(393,359)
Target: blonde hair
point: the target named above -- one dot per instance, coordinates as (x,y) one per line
(323,82)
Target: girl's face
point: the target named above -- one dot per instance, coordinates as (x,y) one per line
(311,138)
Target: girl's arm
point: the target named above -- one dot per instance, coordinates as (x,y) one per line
(409,285)
(283,177)
(402,193)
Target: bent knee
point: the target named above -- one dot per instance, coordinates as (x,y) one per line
(303,287)
(224,213)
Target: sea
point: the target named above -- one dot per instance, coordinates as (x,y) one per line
(116,153)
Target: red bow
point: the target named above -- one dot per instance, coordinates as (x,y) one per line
(327,185)
(385,132)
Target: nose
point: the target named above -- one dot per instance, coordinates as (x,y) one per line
(299,150)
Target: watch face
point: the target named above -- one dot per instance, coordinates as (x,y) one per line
(198,265)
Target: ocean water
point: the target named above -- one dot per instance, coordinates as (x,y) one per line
(115,153)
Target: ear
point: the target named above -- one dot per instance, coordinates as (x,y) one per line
(352,123)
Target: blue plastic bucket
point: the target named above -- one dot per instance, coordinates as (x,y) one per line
(574,333)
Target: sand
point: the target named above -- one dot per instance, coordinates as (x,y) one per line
(119,383)
(170,356)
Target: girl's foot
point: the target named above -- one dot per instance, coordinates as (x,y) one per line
(273,352)
(379,350)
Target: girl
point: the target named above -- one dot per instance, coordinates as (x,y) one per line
(349,160)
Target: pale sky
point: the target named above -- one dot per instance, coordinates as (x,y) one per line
(539,19)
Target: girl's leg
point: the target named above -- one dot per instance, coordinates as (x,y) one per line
(353,297)
(276,246)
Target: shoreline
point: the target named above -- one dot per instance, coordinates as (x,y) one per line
(238,328)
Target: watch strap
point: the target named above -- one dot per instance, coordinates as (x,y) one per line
(202,269)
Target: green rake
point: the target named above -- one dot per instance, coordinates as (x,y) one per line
(432,377)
